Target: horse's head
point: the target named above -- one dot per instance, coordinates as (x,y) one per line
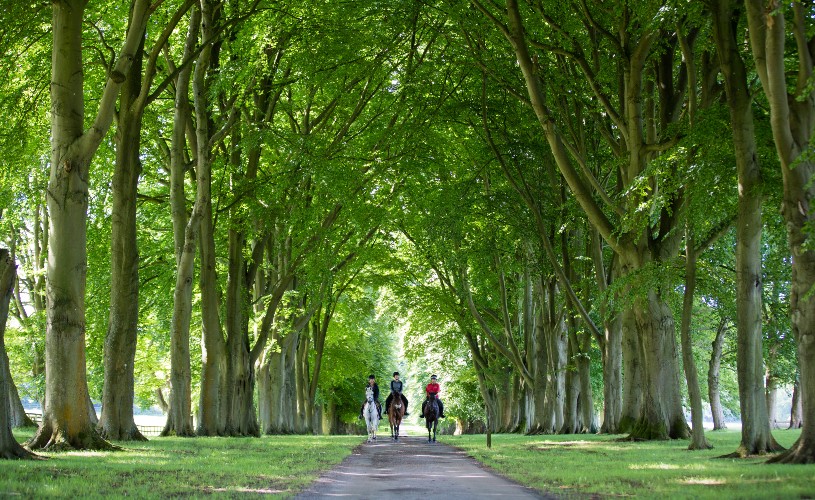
(369,394)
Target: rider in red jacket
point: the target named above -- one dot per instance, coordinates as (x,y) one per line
(432,390)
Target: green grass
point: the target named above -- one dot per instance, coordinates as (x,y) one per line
(588,465)
(172,467)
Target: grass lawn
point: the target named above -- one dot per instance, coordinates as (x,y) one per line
(172,467)
(588,465)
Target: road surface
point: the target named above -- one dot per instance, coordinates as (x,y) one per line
(412,468)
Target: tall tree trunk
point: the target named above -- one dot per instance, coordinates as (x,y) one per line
(66,422)
(185,232)
(117,421)
(571,422)
(9,447)
(698,440)
(792,116)
(755,432)
(714,366)
(240,369)
(212,342)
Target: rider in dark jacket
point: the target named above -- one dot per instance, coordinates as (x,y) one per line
(396,388)
(372,383)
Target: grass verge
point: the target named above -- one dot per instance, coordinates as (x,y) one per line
(172,467)
(590,465)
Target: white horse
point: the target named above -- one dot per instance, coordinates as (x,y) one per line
(371,415)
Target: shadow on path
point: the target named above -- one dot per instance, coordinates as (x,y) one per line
(412,468)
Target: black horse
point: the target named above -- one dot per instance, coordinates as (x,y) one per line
(431,416)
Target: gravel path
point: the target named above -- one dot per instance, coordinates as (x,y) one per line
(413,469)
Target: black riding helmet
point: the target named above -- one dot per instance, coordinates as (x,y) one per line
(395,373)
(371,377)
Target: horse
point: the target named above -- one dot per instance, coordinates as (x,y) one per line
(431,416)
(371,414)
(395,414)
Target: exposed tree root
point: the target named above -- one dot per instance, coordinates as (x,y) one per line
(802,452)
(48,438)
(19,453)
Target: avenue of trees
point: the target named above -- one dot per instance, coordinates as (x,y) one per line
(585,216)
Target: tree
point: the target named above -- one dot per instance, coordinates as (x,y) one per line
(792,115)
(117,421)
(66,421)
(9,447)
(756,437)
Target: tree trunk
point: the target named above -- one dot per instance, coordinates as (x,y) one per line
(9,447)
(698,440)
(611,346)
(212,342)
(632,372)
(588,417)
(612,376)
(755,433)
(772,400)
(18,417)
(117,421)
(66,422)
(797,407)
(792,116)
(571,418)
(714,366)
(179,414)
(662,416)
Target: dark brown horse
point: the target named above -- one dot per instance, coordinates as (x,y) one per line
(431,416)
(395,414)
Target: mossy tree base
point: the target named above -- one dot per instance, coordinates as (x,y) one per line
(647,430)
(130,434)
(50,438)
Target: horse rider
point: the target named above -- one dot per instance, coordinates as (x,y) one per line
(396,388)
(432,390)
(372,383)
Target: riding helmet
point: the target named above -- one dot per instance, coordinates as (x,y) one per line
(395,373)
(371,376)
(433,377)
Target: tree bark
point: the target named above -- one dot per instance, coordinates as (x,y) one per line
(792,117)
(117,421)
(755,434)
(797,408)
(9,447)
(185,230)
(18,417)
(66,422)
(714,395)
(632,372)
(698,440)
(213,344)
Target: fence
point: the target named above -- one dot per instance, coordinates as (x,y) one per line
(146,430)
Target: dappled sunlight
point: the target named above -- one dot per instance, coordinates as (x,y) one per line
(704,481)
(654,467)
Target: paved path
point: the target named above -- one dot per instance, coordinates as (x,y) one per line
(413,469)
